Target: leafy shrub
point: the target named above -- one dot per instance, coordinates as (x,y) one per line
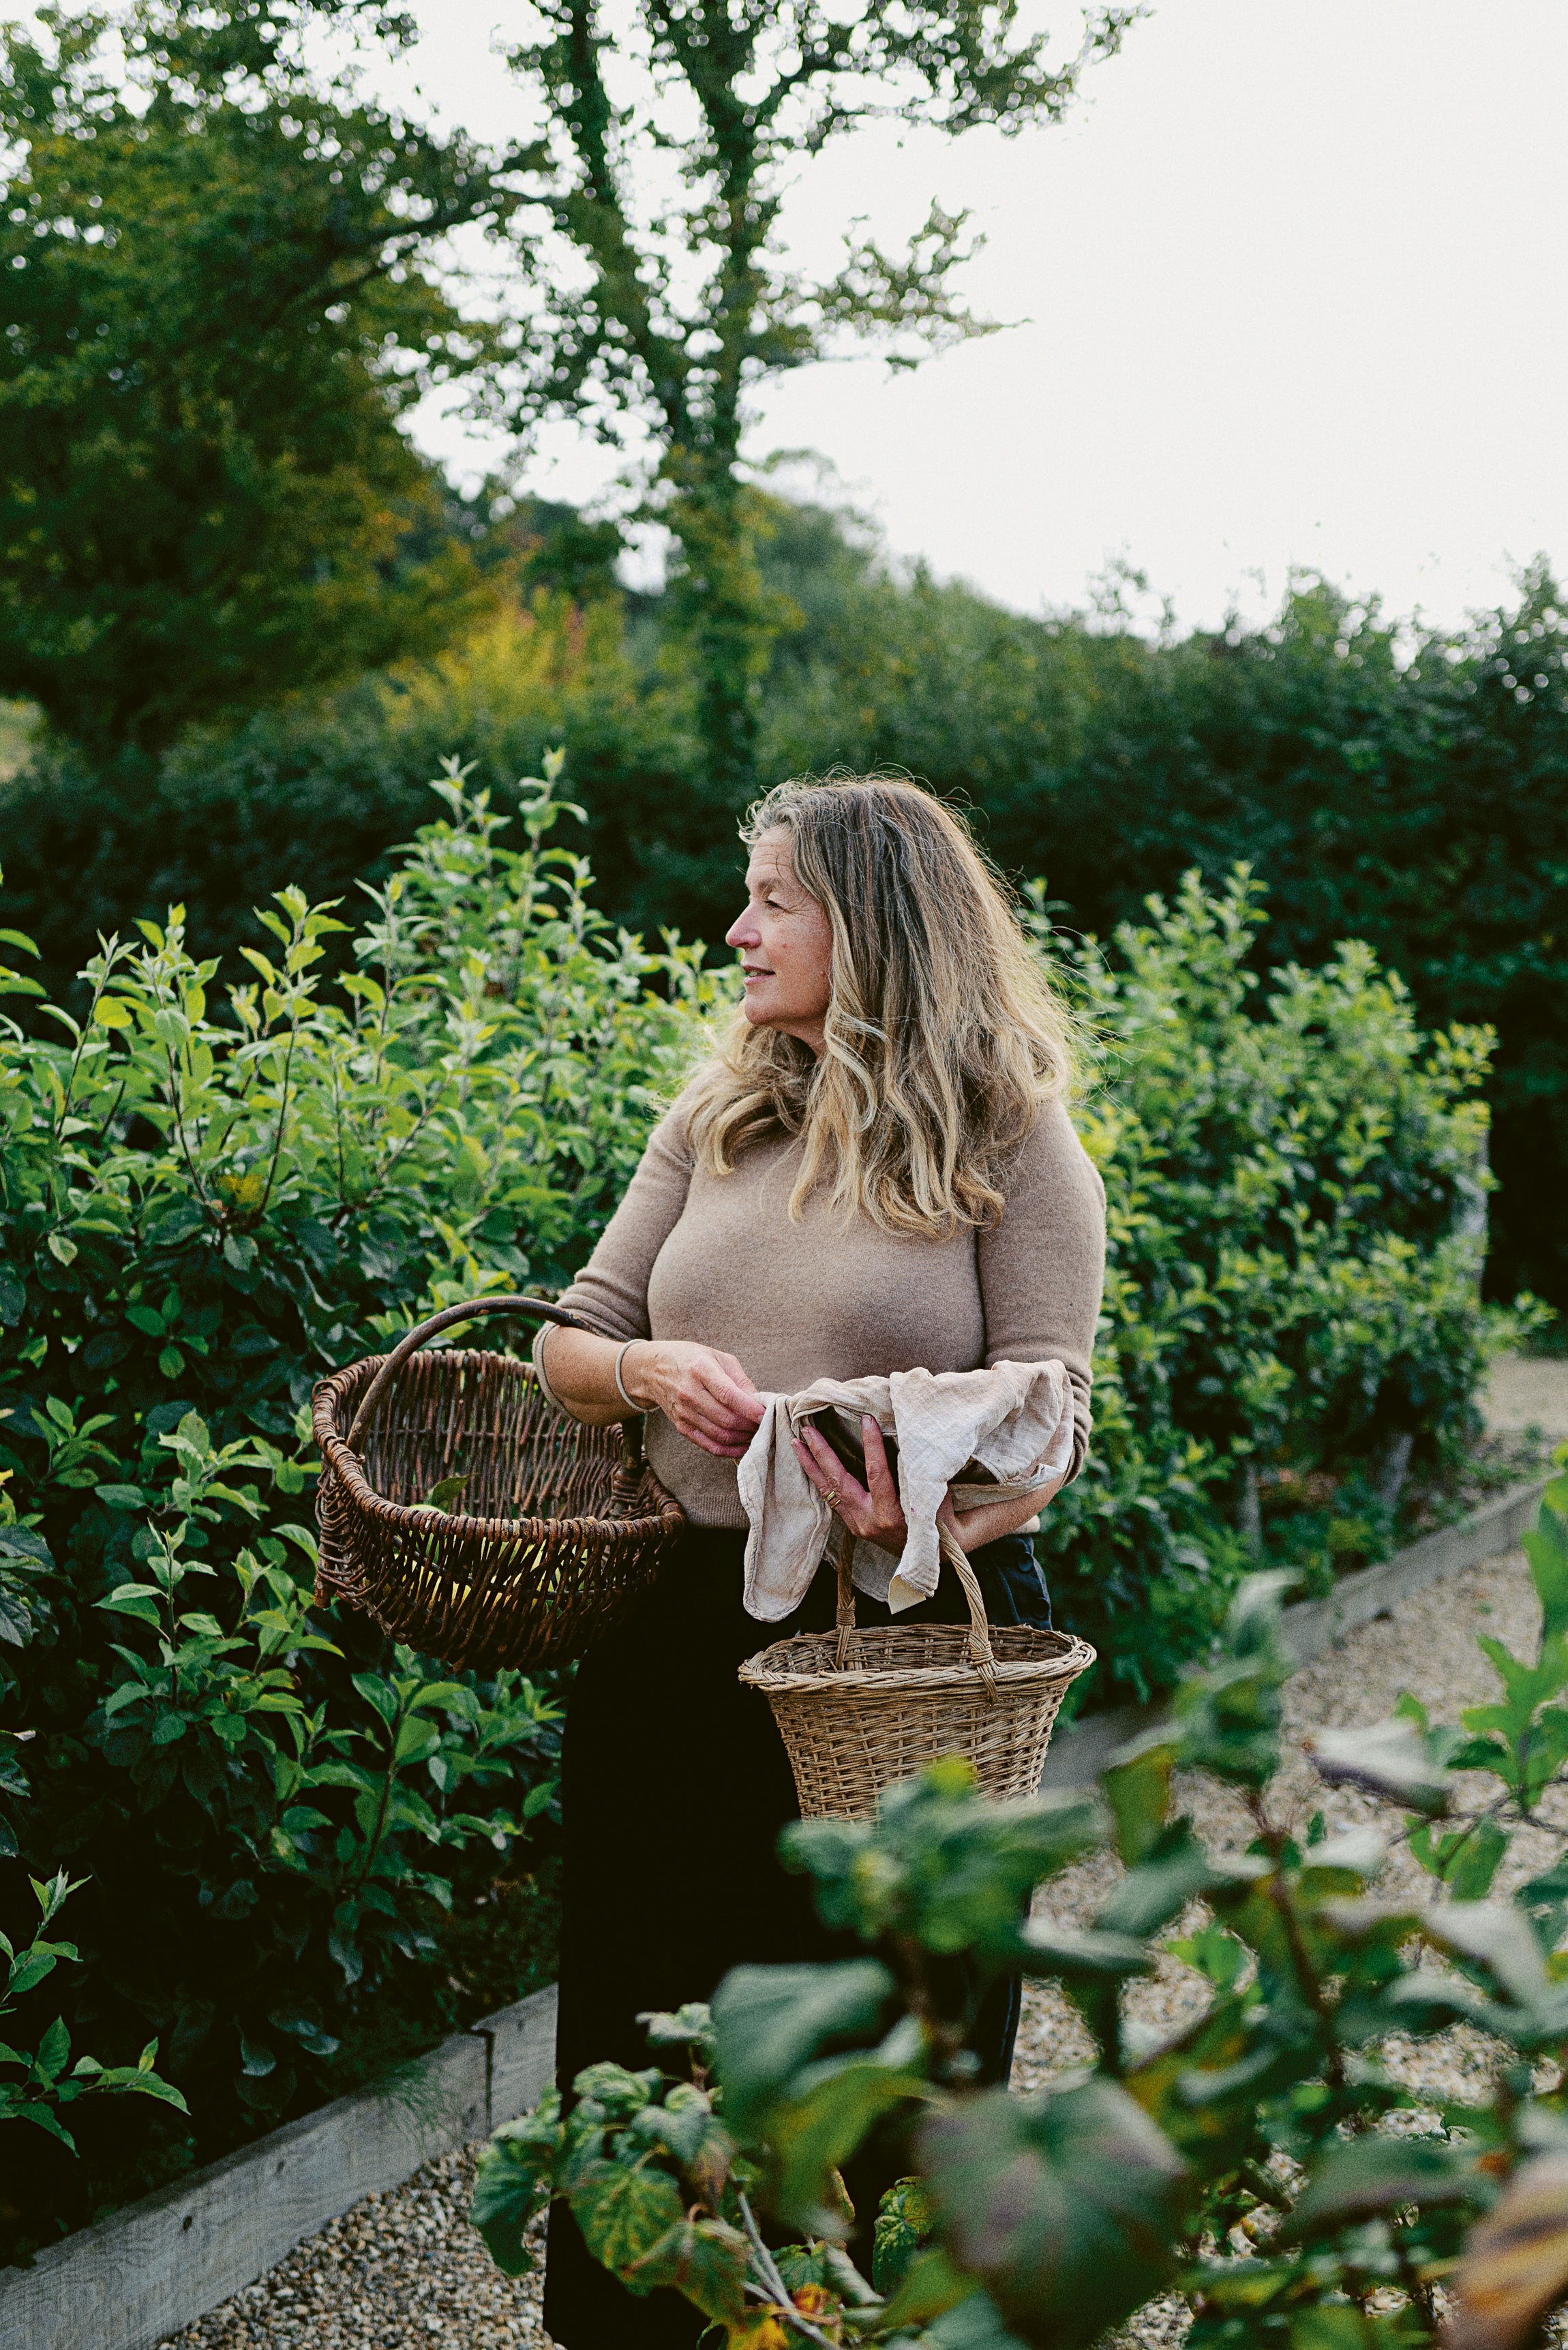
(304,1852)
(206,1204)
(45,2086)
(1244,2163)
(1293,1311)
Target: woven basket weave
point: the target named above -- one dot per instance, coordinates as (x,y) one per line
(562,1529)
(858,1711)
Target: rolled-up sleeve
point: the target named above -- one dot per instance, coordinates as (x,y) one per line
(1041,1269)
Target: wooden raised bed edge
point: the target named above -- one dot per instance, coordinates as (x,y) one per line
(149,2270)
(1080,1754)
(156,2267)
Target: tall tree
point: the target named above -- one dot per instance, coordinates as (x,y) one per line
(684,304)
(219,303)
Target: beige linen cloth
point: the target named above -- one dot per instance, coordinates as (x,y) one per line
(1012,1421)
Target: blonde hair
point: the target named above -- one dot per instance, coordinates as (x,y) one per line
(943,1036)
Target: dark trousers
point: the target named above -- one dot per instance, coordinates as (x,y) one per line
(675,1785)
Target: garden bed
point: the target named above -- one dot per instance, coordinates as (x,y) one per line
(142,2276)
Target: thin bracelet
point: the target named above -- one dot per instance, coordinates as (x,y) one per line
(630,1401)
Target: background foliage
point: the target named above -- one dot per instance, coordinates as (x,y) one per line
(210,1197)
(306,1854)
(218,307)
(1419,803)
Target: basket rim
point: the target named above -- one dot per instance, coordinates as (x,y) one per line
(669,1518)
(775,1679)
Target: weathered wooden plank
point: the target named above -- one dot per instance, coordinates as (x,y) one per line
(1497,1526)
(149,2271)
(522,2041)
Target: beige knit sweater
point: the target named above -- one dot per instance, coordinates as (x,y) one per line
(716,1259)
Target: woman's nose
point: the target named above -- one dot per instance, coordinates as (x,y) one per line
(744,931)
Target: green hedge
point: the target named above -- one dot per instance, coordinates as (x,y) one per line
(303,1852)
(306,1854)
(1413,793)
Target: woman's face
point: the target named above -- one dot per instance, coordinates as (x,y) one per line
(785,944)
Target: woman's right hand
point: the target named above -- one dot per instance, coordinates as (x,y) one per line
(703,1392)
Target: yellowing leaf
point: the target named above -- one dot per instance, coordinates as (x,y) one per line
(1516,2261)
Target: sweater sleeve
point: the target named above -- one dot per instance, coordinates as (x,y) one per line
(1042,1268)
(611,1290)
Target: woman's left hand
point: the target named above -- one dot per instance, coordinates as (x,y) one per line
(872,1510)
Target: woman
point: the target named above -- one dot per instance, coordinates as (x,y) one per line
(876,1173)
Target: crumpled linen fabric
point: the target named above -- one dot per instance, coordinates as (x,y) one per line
(1013,1420)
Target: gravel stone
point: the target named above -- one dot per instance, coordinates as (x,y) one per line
(404,2269)
(401,2269)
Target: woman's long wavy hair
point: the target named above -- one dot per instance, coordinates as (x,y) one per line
(944,1039)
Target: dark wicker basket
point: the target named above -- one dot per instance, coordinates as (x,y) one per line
(562,1527)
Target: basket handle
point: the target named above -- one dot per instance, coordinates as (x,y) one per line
(982,1655)
(631,1426)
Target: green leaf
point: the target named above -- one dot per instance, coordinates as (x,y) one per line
(53,2051)
(1177,1871)
(1547,1551)
(516,2169)
(440,1693)
(1497,1942)
(378,1693)
(1071,1954)
(306,2029)
(683,2124)
(1467,1859)
(623,2213)
(770,2021)
(1544,1901)
(813,2134)
(444,1494)
(1138,1787)
(1357,2180)
(705,2260)
(146,1318)
(1333,2325)
(1389,1760)
(938,1864)
(974,2324)
(904,2220)
(41,2115)
(415,1740)
(1066,2206)
(691,2026)
(137,1599)
(611,2093)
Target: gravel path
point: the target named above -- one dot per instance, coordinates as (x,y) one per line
(405,2269)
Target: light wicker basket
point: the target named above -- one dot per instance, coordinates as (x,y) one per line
(858,1711)
(563,1528)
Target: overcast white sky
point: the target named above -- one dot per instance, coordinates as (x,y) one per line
(1293,286)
